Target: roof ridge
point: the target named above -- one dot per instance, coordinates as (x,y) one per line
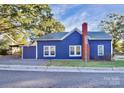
(62,35)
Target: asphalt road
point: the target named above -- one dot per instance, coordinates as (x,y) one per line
(25,79)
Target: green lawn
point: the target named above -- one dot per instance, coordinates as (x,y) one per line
(79,63)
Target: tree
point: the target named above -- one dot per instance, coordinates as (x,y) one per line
(24,22)
(114,25)
(30,20)
(4,46)
(122,47)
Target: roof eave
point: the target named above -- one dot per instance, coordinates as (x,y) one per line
(48,40)
(99,39)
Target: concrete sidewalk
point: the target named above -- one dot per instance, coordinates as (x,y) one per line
(62,69)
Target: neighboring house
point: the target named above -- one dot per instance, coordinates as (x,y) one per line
(14,47)
(69,45)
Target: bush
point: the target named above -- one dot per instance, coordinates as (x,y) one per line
(3,51)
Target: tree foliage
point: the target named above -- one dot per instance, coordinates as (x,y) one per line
(27,21)
(23,22)
(114,25)
(122,47)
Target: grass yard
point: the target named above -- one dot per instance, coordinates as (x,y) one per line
(79,63)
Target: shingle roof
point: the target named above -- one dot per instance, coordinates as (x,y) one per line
(53,36)
(61,35)
(99,35)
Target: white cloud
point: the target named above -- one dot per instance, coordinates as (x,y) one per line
(91,15)
(75,21)
(93,26)
(61,9)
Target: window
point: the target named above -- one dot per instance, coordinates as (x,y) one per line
(49,51)
(74,50)
(100,50)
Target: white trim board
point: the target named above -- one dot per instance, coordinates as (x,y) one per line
(22,52)
(111,49)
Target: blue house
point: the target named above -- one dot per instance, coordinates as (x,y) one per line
(68,45)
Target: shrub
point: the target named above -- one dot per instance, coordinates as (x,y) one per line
(3,51)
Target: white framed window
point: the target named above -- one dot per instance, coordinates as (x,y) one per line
(75,50)
(100,49)
(49,51)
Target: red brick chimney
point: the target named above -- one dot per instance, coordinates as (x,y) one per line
(85,45)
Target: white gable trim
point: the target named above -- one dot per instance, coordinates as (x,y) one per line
(75,29)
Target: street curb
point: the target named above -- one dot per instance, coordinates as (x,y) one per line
(63,69)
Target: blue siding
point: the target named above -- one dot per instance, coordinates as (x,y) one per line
(93,49)
(62,47)
(29,52)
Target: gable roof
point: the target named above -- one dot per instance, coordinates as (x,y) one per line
(99,35)
(57,35)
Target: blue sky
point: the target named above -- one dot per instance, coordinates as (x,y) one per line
(73,15)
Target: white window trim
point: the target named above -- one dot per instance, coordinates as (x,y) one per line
(102,50)
(49,51)
(75,55)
